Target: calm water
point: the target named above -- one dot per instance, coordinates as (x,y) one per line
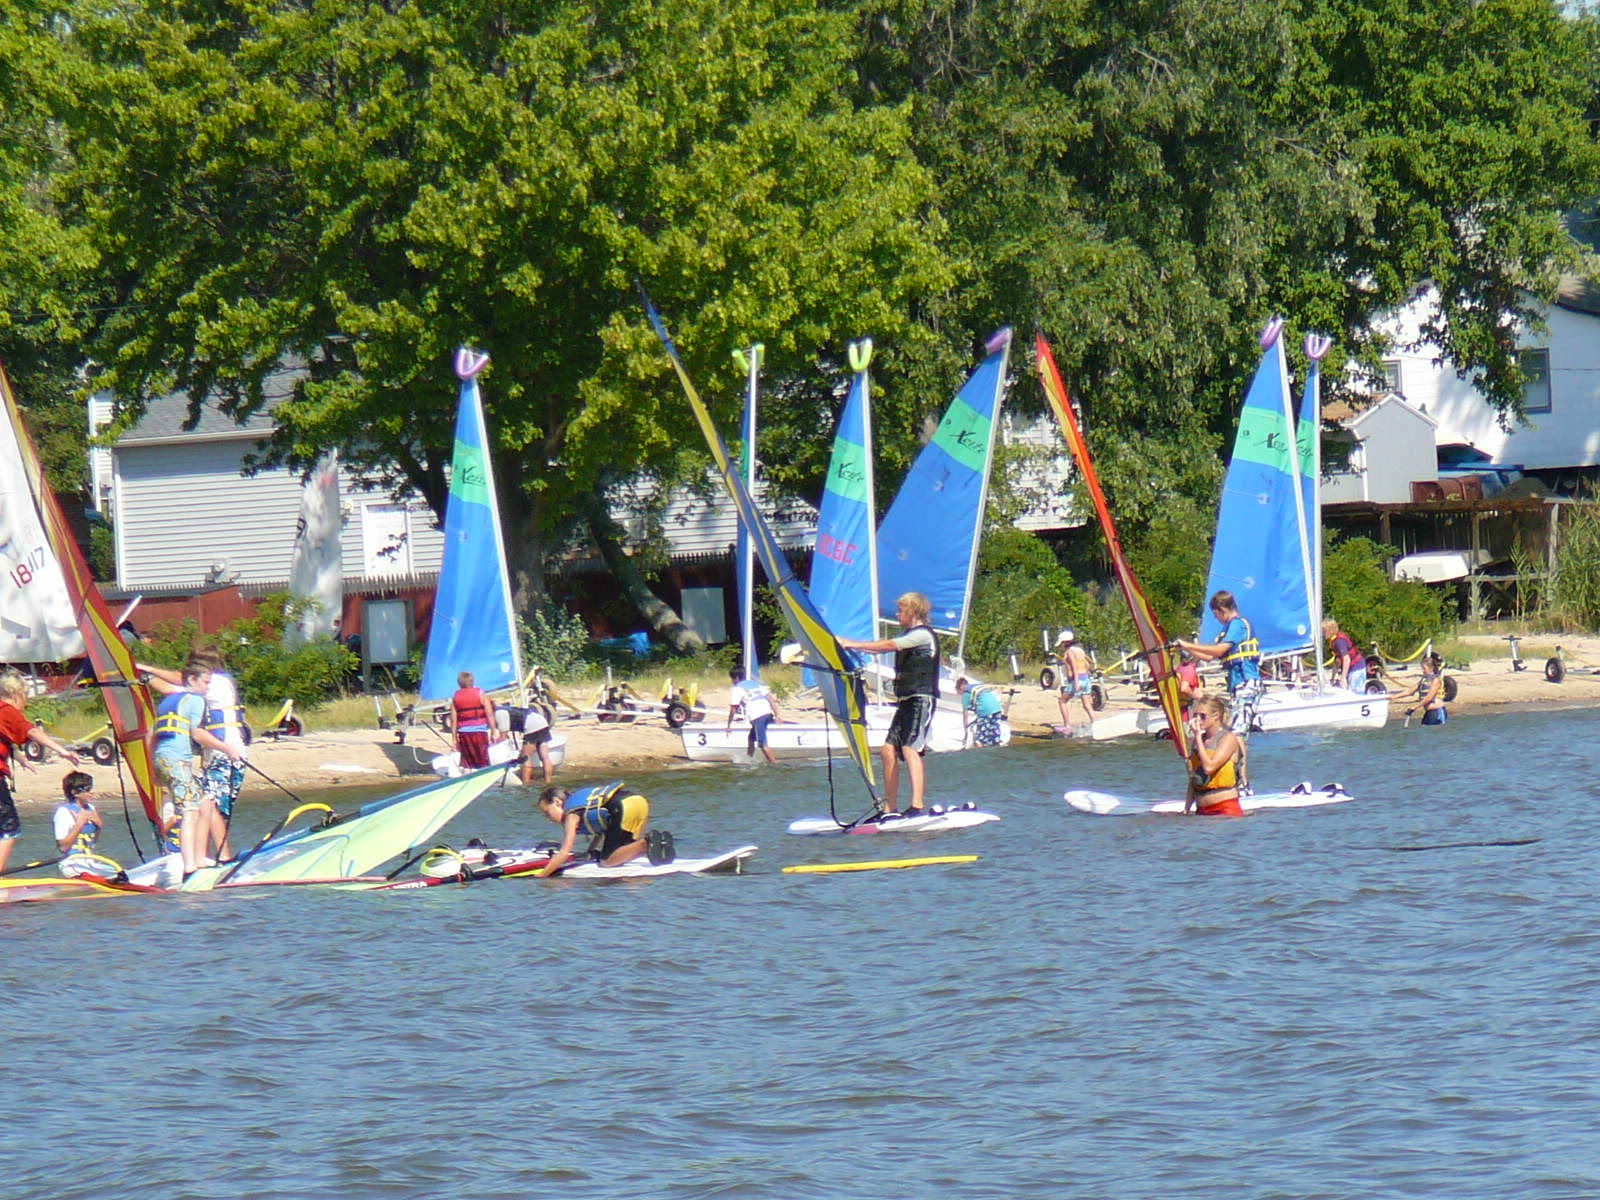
(1286,1006)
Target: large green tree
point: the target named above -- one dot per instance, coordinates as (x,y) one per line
(362,188)
(1148,182)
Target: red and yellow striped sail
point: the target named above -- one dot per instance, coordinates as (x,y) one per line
(128,702)
(1152,638)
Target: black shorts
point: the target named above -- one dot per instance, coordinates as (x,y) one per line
(911,724)
(10,823)
(536,739)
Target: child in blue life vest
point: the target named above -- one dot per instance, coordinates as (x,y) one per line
(614,819)
(980,713)
(77,825)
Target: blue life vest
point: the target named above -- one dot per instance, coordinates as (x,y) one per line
(590,805)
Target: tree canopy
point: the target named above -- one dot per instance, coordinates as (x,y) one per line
(198,191)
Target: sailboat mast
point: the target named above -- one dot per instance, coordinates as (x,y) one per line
(1316,348)
(1000,344)
(468,364)
(751,361)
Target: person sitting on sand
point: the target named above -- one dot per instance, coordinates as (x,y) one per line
(1213,770)
(612,816)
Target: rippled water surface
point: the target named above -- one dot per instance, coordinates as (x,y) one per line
(1359,1000)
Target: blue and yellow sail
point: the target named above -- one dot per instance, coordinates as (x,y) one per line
(838,669)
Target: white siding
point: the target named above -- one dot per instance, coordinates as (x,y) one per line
(1396,447)
(1566,436)
(180,510)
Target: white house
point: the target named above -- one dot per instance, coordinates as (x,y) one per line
(186,515)
(1393,445)
(1562,393)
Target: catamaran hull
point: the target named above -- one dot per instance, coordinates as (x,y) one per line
(1332,708)
(796,740)
(1294,708)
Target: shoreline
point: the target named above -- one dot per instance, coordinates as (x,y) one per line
(372,758)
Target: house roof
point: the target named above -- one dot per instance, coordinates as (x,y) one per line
(1348,417)
(1578,294)
(168,419)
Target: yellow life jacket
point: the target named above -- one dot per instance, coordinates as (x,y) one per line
(1224,778)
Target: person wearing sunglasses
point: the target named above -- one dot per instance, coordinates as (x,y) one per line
(1213,761)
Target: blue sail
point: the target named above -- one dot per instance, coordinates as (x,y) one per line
(928,541)
(472,628)
(1259,554)
(842,564)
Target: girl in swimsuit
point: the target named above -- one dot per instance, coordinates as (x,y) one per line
(1213,776)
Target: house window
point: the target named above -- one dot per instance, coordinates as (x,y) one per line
(1535,366)
(1391,376)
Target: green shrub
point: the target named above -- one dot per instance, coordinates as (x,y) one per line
(1358,593)
(555,639)
(1574,591)
(266,670)
(1020,590)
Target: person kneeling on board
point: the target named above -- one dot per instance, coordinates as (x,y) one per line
(1213,775)
(612,816)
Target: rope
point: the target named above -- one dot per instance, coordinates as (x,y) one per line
(1412,657)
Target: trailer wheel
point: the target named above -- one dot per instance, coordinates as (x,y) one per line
(34,751)
(1449,688)
(104,751)
(1097,695)
(1555,670)
(1047,679)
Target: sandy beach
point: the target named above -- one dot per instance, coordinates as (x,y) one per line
(368,757)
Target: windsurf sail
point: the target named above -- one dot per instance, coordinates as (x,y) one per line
(839,669)
(1153,642)
(316,572)
(472,629)
(36,617)
(128,703)
(844,575)
(928,541)
(1260,553)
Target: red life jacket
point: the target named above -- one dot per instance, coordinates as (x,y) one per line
(1355,658)
(470,710)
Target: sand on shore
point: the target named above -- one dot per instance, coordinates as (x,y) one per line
(368,757)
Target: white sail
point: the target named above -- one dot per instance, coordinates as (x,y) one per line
(317,570)
(37,623)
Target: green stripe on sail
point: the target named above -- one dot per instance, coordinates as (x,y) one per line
(964,436)
(1263,439)
(467,480)
(847,472)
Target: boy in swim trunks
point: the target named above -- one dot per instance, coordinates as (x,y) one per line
(1077,678)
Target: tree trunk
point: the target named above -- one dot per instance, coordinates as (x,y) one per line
(657,612)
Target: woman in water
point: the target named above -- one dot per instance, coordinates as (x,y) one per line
(1213,773)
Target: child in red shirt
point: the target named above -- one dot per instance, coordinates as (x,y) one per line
(16,731)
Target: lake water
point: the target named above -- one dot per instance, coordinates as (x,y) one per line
(1288,1006)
